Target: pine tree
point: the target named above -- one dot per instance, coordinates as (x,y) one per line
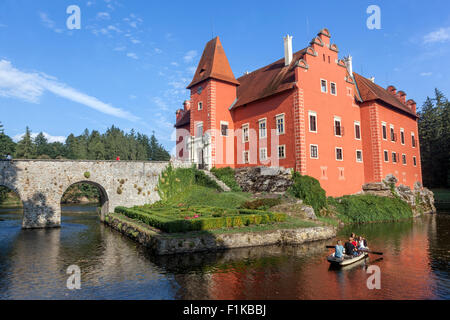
(25,147)
(7,145)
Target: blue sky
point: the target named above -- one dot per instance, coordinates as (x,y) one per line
(131,60)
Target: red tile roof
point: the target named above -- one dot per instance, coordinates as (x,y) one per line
(371,91)
(213,64)
(266,81)
(184,119)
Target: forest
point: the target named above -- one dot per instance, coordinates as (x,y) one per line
(87,146)
(434,134)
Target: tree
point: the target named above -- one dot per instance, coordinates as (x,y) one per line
(7,145)
(25,147)
(434,132)
(42,146)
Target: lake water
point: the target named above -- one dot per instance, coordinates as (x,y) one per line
(33,264)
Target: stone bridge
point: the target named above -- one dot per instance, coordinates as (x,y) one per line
(41,184)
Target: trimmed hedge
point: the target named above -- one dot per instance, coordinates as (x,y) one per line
(309,190)
(175,223)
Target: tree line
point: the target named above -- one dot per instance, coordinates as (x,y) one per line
(87,146)
(434,133)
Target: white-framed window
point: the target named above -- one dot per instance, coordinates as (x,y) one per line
(384,130)
(359,157)
(392,131)
(262,154)
(199,129)
(413,139)
(323,86)
(280,124)
(246,157)
(386,156)
(394,157)
(282,152)
(337,127)
(339,154)
(245,133)
(262,124)
(200,106)
(312,121)
(224,128)
(402,136)
(357,130)
(404,159)
(333,88)
(314,151)
(414,161)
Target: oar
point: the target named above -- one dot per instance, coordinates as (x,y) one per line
(372,252)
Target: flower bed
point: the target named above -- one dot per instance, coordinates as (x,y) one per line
(185,219)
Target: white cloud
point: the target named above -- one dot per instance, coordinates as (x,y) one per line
(426,74)
(120,48)
(175,64)
(158,50)
(49,23)
(3,25)
(441,35)
(103,16)
(132,55)
(135,41)
(189,56)
(49,137)
(31,86)
(114,28)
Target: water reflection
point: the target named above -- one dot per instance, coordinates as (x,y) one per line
(33,264)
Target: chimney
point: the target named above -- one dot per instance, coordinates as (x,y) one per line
(372,79)
(412,105)
(349,63)
(401,95)
(287,50)
(187,105)
(391,89)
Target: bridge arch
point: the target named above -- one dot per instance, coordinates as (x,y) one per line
(15,190)
(103,200)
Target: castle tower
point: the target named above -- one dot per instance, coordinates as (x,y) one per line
(213,91)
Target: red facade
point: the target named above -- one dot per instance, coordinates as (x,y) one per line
(307,111)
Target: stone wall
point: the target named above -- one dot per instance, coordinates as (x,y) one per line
(263,179)
(420,199)
(42,183)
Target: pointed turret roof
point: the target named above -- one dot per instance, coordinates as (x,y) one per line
(213,64)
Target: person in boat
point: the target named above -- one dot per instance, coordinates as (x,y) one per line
(354,241)
(350,249)
(362,244)
(339,250)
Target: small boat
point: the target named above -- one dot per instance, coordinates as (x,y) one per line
(345,262)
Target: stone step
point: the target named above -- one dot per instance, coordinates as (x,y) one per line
(221,184)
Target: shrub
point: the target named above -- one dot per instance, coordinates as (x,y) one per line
(261,204)
(369,208)
(174,181)
(87,174)
(309,190)
(226,175)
